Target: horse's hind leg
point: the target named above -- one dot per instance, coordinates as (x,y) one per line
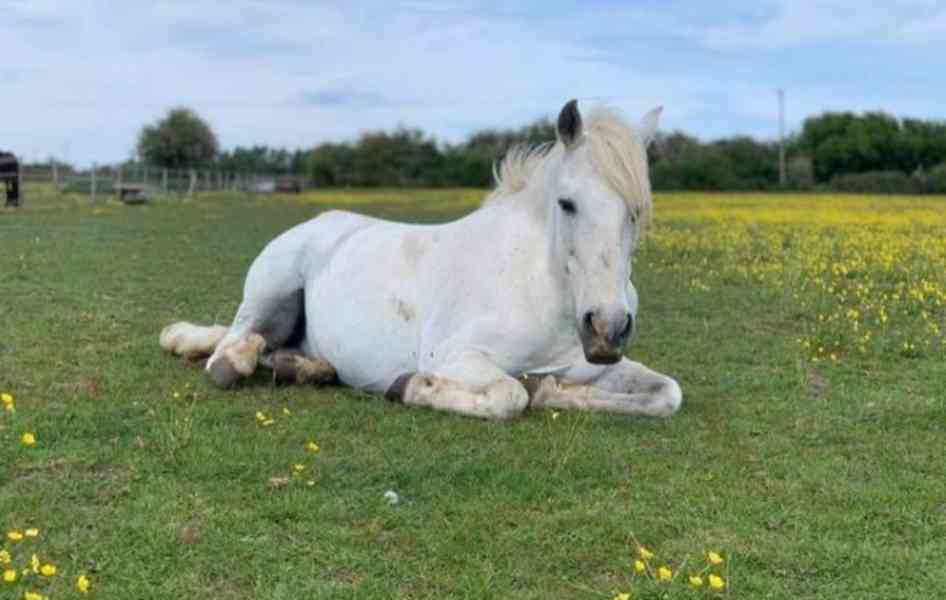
(270,316)
(191,341)
(263,321)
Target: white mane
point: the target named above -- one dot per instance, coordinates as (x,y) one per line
(617,153)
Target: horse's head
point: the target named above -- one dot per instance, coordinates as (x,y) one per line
(599,197)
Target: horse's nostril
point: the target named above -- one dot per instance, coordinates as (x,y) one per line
(628,325)
(588,320)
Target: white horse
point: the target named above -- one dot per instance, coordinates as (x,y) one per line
(526,301)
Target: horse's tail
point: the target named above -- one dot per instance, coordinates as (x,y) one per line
(191,341)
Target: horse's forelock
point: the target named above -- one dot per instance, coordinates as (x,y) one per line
(617,153)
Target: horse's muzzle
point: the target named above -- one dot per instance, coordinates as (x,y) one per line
(603,340)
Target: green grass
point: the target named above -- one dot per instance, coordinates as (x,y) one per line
(835,490)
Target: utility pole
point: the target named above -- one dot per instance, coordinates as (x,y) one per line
(781,137)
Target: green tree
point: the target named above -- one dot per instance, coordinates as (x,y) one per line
(180,140)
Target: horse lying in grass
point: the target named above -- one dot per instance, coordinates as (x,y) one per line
(527,301)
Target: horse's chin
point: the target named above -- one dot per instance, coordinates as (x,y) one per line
(604,358)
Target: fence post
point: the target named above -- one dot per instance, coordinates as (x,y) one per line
(55,175)
(118,186)
(193,183)
(94,182)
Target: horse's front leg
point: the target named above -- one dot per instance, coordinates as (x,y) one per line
(626,387)
(471,386)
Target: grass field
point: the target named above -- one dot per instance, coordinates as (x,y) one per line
(807,333)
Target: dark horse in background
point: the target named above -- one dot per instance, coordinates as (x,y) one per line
(10,176)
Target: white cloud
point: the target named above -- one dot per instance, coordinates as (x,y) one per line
(83,77)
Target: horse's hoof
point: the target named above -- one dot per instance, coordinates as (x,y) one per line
(222,373)
(396,392)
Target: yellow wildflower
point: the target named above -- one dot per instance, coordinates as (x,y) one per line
(34,563)
(639,566)
(555,414)
(696,581)
(716,582)
(83,584)
(260,417)
(310,482)
(31,532)
(33,596)
(4,557)
(714,558)
(664,573)
(47,570)
(28,439)
(312,447)
(6,398)
(286,412)
(297,468)
(14,536)
(645,553)
(9,576)
(622,596)
(177,395)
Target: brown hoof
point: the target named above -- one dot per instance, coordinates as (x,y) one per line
(292,367)
(395,393)
(222,373)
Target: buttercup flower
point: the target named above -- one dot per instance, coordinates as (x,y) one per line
(622,596)
(555,414)
(645,553)
(47,570)
(31,532)
(28,439)
(297,468)
(14,536)
(714,558)
(286,412)
(34,563)
(312,447)
(6,398)
(9,576)
(83,584)
(4,557)
(33,596)
(639,566)
(664,573)
(696,581)
(716,582)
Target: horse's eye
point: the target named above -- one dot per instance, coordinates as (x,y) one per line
(567,205)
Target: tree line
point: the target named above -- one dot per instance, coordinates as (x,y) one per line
(842,151)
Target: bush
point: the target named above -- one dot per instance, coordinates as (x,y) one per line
(877,182)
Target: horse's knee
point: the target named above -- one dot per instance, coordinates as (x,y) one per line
(506,399)
(669,398)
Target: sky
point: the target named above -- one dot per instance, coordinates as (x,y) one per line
(79,79)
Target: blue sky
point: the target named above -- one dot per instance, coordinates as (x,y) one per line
(78,79)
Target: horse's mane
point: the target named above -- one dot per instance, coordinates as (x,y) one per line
(617,154)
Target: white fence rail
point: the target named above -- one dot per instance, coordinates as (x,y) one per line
(105,181)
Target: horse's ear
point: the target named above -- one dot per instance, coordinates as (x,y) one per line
(648,125)
(569,124)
